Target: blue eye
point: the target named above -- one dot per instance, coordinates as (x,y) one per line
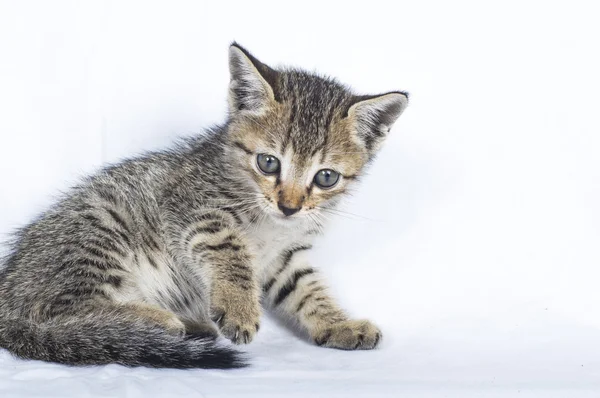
(326,178)
(268,164)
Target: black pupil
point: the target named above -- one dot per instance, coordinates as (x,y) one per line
(270,163)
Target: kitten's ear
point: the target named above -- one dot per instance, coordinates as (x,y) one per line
(252,82)
(374,115)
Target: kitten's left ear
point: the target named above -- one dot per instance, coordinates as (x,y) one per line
(375,115)
(251,88)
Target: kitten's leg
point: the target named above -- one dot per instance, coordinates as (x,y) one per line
(295,290)
(219,255)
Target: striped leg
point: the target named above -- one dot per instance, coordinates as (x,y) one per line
(294,289)
(220,256)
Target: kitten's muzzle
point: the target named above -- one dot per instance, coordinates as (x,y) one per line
(288,211)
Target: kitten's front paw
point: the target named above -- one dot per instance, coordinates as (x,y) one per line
(238,320)
(349,335)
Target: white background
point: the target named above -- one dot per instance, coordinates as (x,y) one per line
(475,241)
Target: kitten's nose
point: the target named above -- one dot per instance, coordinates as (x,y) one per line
(288,211)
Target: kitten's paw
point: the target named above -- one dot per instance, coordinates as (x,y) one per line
(175,327)
(349,335)
(166,319)
(239,323)
(205,329)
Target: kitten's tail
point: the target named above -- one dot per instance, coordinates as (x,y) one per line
(92,340)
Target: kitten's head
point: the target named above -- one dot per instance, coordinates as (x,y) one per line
(302,138)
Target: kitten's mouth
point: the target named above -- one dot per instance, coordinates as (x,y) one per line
(281,218)
(284,218)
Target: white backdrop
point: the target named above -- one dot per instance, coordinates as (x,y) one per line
(476,245)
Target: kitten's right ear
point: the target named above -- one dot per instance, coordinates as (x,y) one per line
(251,88)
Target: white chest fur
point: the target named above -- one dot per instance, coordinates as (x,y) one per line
(270,238)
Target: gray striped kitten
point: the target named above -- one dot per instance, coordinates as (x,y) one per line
(148,261)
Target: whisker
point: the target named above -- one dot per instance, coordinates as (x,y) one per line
(346,214)
(347,153)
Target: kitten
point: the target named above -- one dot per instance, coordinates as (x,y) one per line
(148,261)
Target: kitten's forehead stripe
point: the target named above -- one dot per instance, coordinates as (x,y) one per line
(292,118)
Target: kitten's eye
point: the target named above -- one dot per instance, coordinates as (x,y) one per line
(268,164)
(326,178)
